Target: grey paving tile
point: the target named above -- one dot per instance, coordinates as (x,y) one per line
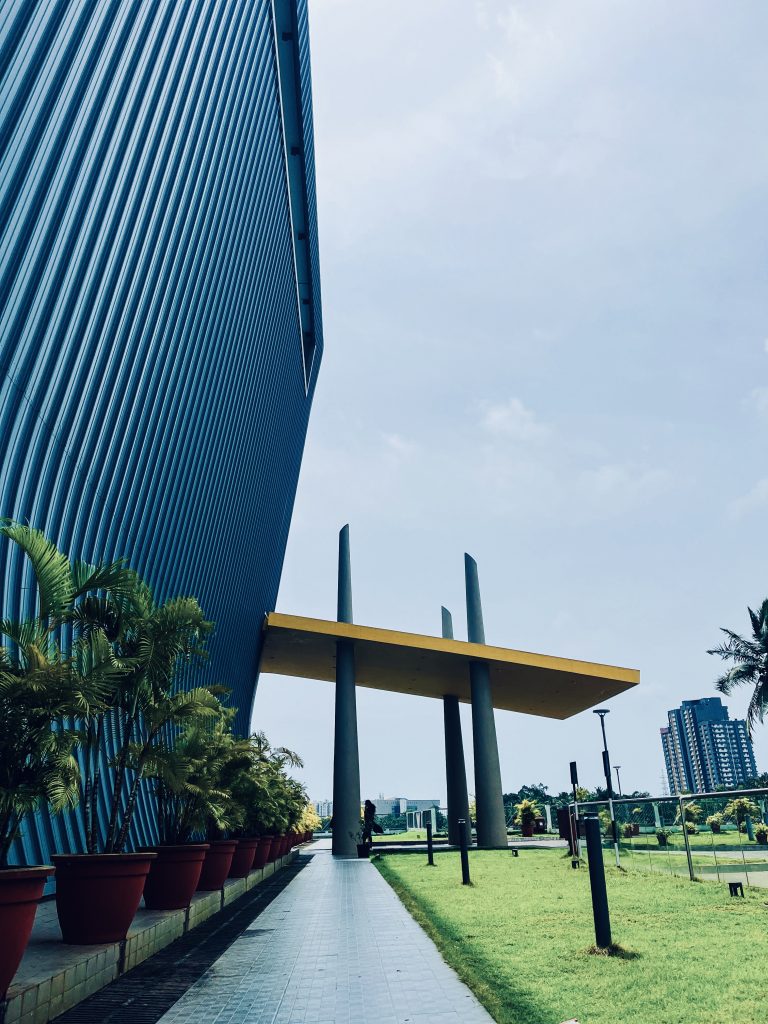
(335,947)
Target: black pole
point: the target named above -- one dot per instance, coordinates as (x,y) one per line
(464,855)
(609,785)
(597,883)
(573,819)
(430,858)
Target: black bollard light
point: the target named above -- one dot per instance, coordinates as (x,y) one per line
(464,855)
(430,858)
(597,883)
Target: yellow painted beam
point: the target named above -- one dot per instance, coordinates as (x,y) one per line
(428,666)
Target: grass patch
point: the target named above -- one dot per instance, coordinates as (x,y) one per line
(521,935)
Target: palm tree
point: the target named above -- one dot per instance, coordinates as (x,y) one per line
(133,648)
(43,689)
(750,664)
(189,769)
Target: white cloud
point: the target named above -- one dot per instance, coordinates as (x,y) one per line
(513,419)
(754,500)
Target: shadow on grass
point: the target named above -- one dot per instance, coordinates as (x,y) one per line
(613,950)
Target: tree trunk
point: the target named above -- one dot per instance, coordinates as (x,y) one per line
(119,780)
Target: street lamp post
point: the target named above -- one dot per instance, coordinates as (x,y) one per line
(602,712)
(616,768)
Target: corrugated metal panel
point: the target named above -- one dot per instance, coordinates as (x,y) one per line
(152,393)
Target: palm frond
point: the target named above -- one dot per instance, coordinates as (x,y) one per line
(51,567)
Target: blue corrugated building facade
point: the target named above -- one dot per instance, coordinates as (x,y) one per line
(160,320)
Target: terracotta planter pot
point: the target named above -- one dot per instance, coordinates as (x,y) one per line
(242,861)
(98,894)
(284,841)
(277,847)
(261,856)
(173,876)
(20,892)
(527,829)
(216,865)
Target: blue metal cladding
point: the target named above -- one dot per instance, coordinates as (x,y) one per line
(160,317)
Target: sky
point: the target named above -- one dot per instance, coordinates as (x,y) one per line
(543,260)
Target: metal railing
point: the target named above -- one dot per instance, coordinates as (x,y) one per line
(656,835)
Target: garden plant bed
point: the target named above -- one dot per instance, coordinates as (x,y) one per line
(518,936)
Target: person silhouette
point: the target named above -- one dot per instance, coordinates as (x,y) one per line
(370,824)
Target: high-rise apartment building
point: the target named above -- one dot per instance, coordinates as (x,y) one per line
(160,323)
(703,748)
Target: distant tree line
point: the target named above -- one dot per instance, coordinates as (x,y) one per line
(539,794)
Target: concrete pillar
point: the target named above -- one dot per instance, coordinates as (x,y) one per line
(455,771)
(346,762)
(548,815)
(656,815)
(491,822)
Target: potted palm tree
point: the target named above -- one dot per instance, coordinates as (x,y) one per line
(761,833)
(65,591)
(715,822)
(175,873)
(257,787)
(134,646)
(39,690)
(191,801)
(527,812)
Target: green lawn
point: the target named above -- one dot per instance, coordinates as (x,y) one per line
(519,937)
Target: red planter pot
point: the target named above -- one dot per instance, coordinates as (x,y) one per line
(277,844)
(173,876)
(242,861)
(218,861)
(20,892)
(262,852)
(284,840)
(527,830)
(97,895)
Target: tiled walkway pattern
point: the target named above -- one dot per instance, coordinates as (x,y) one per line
(336,947)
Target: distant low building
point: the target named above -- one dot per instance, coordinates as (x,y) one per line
(324,808)
(390,805)
(703,748)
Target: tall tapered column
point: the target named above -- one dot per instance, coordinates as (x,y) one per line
(491,822)
(455,772)
(346,762)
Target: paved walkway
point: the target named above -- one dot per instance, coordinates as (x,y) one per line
(335,947)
